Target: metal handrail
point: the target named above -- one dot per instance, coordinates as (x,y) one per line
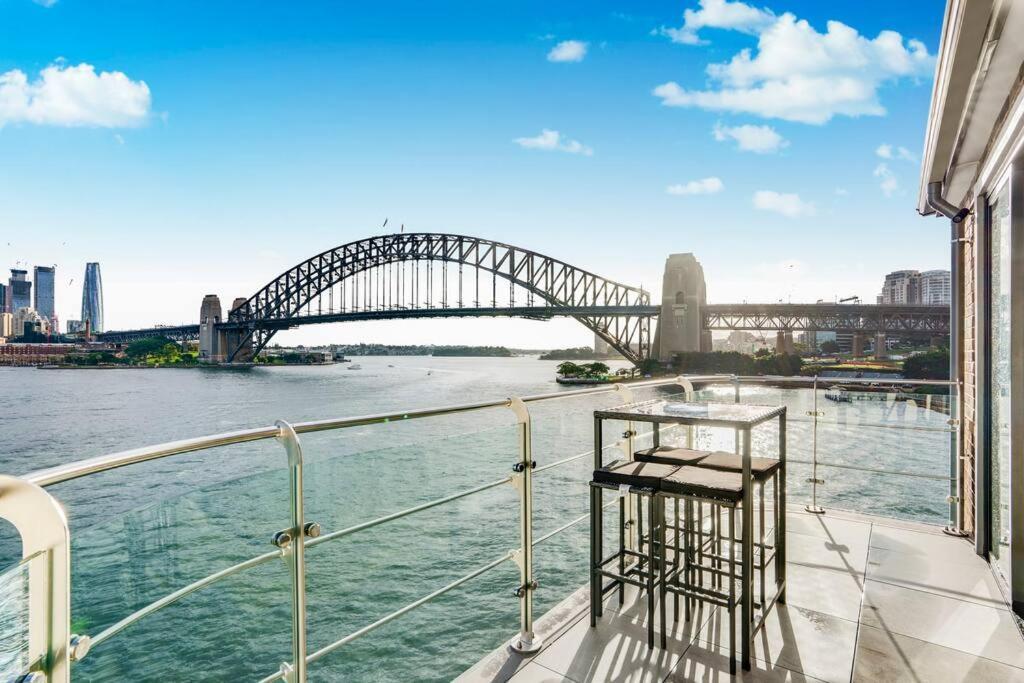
(103,463)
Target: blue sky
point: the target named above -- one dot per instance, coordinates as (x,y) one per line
(206,147)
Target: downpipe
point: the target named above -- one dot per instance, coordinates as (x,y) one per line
(956,215)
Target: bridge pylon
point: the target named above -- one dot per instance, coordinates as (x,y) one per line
(211,339)
(683,297)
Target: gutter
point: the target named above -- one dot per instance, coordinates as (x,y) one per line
(956,215)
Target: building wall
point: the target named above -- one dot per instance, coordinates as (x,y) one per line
(935,287)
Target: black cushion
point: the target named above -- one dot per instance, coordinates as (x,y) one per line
(668,455)
(760,468)
(639,474)
(706,483)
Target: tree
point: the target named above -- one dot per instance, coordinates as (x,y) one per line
(762,352)
(595,369)
(145,347)
(830,346)
(568,369)
(928,365)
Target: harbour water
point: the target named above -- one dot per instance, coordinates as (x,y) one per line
(145,531)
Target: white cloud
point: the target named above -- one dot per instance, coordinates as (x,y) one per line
(889,182)
(703,186)
(735,16)
(73,96)
(568,51)
(886,151)
(842,192)
(799,74)
(118,138)
(787,204)
(45,3)
(553,140)
(759,139)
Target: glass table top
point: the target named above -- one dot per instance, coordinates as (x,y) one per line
(693,412)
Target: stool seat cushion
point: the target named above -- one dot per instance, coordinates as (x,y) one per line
(639,474)
(760,468)
(668,455)
(706,483)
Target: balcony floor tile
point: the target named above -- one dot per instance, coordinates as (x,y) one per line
(966,626)
(885,656)
(869,599)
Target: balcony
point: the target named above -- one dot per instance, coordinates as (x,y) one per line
(869,599)
(405,540)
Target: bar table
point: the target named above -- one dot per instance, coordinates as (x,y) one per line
(743,418)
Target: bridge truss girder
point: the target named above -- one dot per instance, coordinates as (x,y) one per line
(547,282)
(884,319)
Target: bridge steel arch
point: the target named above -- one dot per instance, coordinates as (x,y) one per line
(555,282)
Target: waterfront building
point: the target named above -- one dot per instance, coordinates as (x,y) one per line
(43,278)
(75,326)
(28,316)
(972,173)
(19,290)
(935,287)
(92,298)
(6,324)
(3,298)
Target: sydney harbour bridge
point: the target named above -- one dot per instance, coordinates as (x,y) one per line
(438,275)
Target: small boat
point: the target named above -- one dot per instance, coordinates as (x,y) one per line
(355,366)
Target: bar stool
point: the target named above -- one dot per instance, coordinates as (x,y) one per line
(721,489)
(762,470)
(643,479)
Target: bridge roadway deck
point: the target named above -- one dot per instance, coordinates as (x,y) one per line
(535,312)
(907,319)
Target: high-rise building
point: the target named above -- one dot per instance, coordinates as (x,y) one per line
(43,279)
(6,325)
(935,287)
(75,326)
(19,291)
(92,298)
(931,287)
(901,287)
(3,298)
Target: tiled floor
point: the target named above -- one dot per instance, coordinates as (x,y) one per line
(868,599)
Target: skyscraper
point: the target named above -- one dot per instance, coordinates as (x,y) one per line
(92,297)
(43,277)
(3,298)
(19,291)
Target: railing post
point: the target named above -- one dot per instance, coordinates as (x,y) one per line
(293,547)
(527,641)
(629,448)
(43,528)
(688,395)
(814,508)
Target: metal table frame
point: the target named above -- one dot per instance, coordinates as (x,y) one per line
(744,418)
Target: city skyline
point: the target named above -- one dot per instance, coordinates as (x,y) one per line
(610,152)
